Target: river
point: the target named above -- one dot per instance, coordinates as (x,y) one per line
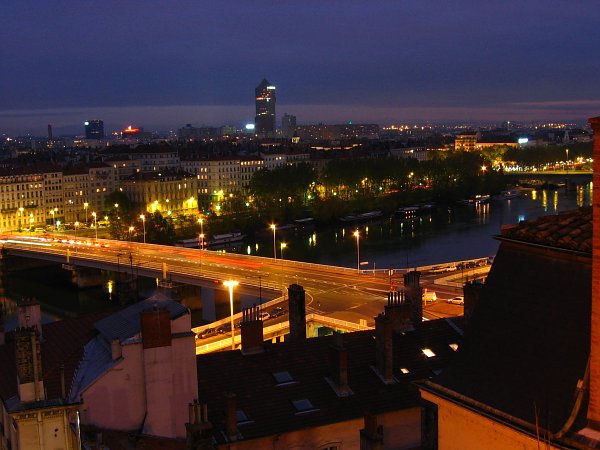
(448,234)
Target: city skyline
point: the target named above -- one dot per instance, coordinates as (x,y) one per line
(383,63)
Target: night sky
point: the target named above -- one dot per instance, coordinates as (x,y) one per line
(162,64)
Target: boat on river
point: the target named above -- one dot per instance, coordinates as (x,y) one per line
(508,194)
(364,217)
(221,240)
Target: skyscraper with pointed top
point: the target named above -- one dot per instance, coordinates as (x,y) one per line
(264,122)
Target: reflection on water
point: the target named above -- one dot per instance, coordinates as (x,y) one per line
(448,234)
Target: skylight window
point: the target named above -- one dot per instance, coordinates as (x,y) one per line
(303,405)
(428,352)
(404,370)
(453,346)
(241,417)
(282,378)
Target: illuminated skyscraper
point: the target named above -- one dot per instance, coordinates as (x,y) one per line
(94,129)
(265,109)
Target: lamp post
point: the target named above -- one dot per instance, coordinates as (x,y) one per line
(95,224)
(21,209)
(282,245)
(567,160)
(273,227)
(201,222)
(357,236)
(76,226)
(85,207)
(143,217)
(231,284)
(31,220)
(130,231)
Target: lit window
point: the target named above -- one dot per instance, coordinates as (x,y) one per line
(404,370)
(428,352)
(453,346)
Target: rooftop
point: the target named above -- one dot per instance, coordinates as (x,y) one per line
(285,388)
(528,341)
(570,230)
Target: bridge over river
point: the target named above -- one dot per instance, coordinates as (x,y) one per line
(339,293)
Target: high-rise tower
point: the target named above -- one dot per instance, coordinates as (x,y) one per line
(265,109)
(94,129)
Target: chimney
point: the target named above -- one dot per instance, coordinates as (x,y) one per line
(115,349)
(398,311)
(231,429)
(252,331)
(339,366)
(594,403)
(30,315)
(384,348)
(413,294)
(472,293)
(156,328)
(297,315)
(198,428)
(29,365)
(2,333)
(371,436)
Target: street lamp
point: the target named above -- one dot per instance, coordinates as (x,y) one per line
(201,222)
(273,227)
(143,217)
(357,236)
(31,220)
(85,207)
(76,226)
(282,245)
(95,224)
(21,209)
(567,160)
(231,284)
(130,231)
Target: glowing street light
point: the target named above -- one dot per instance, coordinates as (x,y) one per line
(274,227)
(231,284)
(95,224)
(76,226)
(201,222)
(283,245)
(143,217)
(130,231)
(357,236)
(31,220)
(85,207)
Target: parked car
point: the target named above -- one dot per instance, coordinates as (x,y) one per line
(458,300)
(264,316)
(207,332)
(278,311)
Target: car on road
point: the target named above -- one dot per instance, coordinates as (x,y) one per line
(458,300)
(429,296)
(207,332)
(264,316)
(225,328)
(278,311)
